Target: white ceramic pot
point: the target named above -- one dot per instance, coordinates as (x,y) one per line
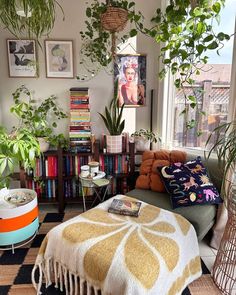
(43,144)
(114,143)
(141,144)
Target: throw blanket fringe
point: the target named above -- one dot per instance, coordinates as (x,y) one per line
(114,254)
(67,279)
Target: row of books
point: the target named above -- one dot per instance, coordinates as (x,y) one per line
(80,125)
(73,189)
(72,164)
(114,164)
(47,189)
(45,166)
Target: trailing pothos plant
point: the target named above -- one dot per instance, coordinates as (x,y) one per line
(96,40)
(40,119)
(29,17)
(185,31)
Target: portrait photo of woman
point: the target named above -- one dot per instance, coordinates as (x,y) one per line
(130,70)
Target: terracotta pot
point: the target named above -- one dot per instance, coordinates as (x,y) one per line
(114,143)
(43,144)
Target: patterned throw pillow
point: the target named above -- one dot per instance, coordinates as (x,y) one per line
(189,184)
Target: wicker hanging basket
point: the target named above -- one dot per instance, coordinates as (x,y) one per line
(114,19)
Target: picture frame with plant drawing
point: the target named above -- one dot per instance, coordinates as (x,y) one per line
(59,59)
(22,58)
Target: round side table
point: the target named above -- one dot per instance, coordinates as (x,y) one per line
(96,184)
(18,221)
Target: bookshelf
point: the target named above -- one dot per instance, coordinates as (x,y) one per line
(58,172)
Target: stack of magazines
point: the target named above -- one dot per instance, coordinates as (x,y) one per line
(125,207)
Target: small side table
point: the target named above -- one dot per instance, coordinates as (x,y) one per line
(99,186)
(18,221)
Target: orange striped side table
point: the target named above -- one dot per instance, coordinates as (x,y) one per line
(18,217)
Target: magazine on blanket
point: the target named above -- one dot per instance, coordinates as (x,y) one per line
(125,207)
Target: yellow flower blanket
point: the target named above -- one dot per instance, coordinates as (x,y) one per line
(102,253)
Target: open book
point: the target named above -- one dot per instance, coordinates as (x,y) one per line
(125,207)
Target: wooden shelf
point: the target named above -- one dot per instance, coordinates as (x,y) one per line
(62,180)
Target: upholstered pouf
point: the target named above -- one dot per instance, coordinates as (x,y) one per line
(18,217)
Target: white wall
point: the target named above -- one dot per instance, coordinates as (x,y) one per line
(100,87)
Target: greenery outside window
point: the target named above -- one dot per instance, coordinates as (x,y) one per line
(213,89)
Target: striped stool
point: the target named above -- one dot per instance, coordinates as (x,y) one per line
(18,223)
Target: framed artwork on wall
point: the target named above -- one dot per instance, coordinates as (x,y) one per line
(59,58)
(22,60)
(130,70)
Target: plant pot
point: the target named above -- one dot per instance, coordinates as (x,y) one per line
(141,144)
(114,19)
(114,143)
(43,144)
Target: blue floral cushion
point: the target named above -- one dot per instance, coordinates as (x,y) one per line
(189,184)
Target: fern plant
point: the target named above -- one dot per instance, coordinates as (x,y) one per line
(113,115)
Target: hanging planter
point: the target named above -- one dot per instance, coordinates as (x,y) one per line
(29,18)
(114,19)
(105,21)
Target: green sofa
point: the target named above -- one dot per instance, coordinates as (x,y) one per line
(202,217)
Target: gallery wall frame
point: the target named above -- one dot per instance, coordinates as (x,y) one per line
(22,58)
(59,58)
(130,70)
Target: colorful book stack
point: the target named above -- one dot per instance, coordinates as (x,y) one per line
(80,125)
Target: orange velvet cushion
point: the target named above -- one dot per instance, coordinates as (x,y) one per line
(149,177)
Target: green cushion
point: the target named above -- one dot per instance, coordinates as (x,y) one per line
(201,217)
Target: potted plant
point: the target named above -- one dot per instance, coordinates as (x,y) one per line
(19,148)
(114,124)
(34,18)
(143,138)
(222,142)
(39,119)
(104,20)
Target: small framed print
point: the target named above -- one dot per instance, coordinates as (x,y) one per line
(22,58)
(130,71)
(59,59)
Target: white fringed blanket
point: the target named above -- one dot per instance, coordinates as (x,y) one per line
(102,253)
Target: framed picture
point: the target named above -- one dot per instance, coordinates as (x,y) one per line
(22,58)
(59,59)
(130,70)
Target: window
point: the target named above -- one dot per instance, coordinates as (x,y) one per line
(212,89)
